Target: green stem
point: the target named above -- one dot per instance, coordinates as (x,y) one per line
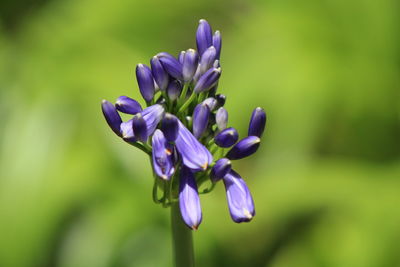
(183,94)
(187,103)
(182,239)
(141,146)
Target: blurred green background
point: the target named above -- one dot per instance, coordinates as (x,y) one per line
(326,180)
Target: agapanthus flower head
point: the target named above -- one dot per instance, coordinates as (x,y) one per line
(184,129)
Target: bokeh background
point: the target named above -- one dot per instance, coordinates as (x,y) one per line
(326,179)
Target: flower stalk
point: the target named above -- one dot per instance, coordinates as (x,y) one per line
(182,239)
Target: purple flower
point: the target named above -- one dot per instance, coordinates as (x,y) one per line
(171,65)
(194,155)
(127,105)
(211,102)
(162,156)
(189,65)
(127,131)
(227,137)
(207,80)
(201,115)
(207,59)
(189,201)
(257,122)
(203,36)
(221,118)
(159,73)
(170,127)
(220,169)
(240,201)
(181,56)
(112,117)
(139,128)
(244,148)
(145,81)
(152,115)
(174,89)
(217,43)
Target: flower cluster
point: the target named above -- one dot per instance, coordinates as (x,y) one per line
(184,129)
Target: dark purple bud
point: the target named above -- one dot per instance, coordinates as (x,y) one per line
(139,128)
(112,117)
(189,201)
(162,156)
(189,65)
(221,99)
(201,114)
(171,65)
(240,201)
(211,102)
(227,137)
(217,42)
(221,118)
(207,80)
(203,36)
(220,169)
(257,122)
(128,105)
(145,81)
(244,148)
(170,127)
(174,89)
(207,59)
(194,155)
(159,73)
(152,115)
(181,56)
(127,131)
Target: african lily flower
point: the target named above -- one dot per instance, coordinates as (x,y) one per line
(184,129)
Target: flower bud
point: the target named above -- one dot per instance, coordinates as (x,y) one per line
(159,73)
(221,118)
(211,102)
(189,65)
(189,201)
(207,80)
(162,156)
(207,59)
(181,56)
(174,89)
(244,148)
(127,131)
(152,115)
(227,137)
(112,117)
(194,155)
(240,201)
(171,65)
(220,169)
(217,42)
(216,64)
(221,99)
(128,105)
(200,119)
(139,128)
(145,81)
(257,122)
(170,127)
(203,36)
